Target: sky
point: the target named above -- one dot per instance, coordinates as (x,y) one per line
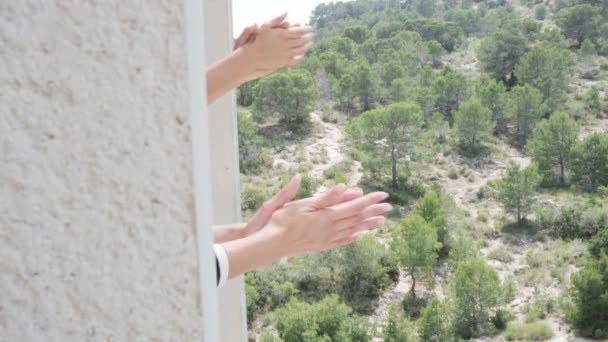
(247,12)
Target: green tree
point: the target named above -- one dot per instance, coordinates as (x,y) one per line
(450,89)
(366,84)
(431,208)
(467,19)
(527,107)
(462,247)
(516,188)
(395,123)
(580,22)
(425,8)
(540,12)
(590,164)
(415,244)
(493,95)
(474,124)
(551,147)
(545,68)
(589,294)
(346,93)
(327,320)
(500,53)
(434,325)
(476,292)
(587,53)
(436,51)
(290,94)
(334,63)
(252,156)
(449,34)
(398,327)
(357,33)
(362,273)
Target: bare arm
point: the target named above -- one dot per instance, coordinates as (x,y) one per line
(258,52)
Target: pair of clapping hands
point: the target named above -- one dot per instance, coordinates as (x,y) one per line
(284,228)
(274,44)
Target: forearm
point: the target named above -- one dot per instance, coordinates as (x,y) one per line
(228,74)
(229,232)
(253,252)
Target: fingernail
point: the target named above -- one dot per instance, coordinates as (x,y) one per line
(384,196)
(381,221)
(387,207)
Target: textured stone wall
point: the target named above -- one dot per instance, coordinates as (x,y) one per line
(97,240)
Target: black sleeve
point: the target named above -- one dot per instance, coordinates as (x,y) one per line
(217,271)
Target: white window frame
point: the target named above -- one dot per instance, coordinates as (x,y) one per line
(214,128)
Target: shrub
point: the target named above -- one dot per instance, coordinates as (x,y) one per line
(591,162)
(537,331)
(453,173)
(339,171)
(501,318)
(509,290)
(253,197)
(434,324)
(540,12)
(308,187)
(574,221)
(398,328)
(327,320)
(590,300)
(476,291)
(501,254)
(599,243)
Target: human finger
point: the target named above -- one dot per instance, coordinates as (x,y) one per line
(373,210)
(278,19)
(363,226)
(330,197)
(278,201)
(295,32)
(354,207)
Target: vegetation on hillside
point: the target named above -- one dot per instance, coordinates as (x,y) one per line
(487,123)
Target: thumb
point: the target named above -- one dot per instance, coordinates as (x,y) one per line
(331,196)
(287,193)
(284,196)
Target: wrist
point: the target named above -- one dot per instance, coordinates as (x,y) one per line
(245,58)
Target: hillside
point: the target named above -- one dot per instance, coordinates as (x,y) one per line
(487,122)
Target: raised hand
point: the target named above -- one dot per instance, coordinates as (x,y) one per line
(276,44)
(314,225)
(287,194)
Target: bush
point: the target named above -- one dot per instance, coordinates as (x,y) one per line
(537,331)
(308,187)
(599,243)
(434,324)
(398,328)
(409,189)
(540,12)
(453,173)
(501,254)
(501,318)
(574,221)
(253,197)
(339,171)
(327,320)
(476,292)
(590,300)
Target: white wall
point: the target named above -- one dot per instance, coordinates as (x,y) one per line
(97,240)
